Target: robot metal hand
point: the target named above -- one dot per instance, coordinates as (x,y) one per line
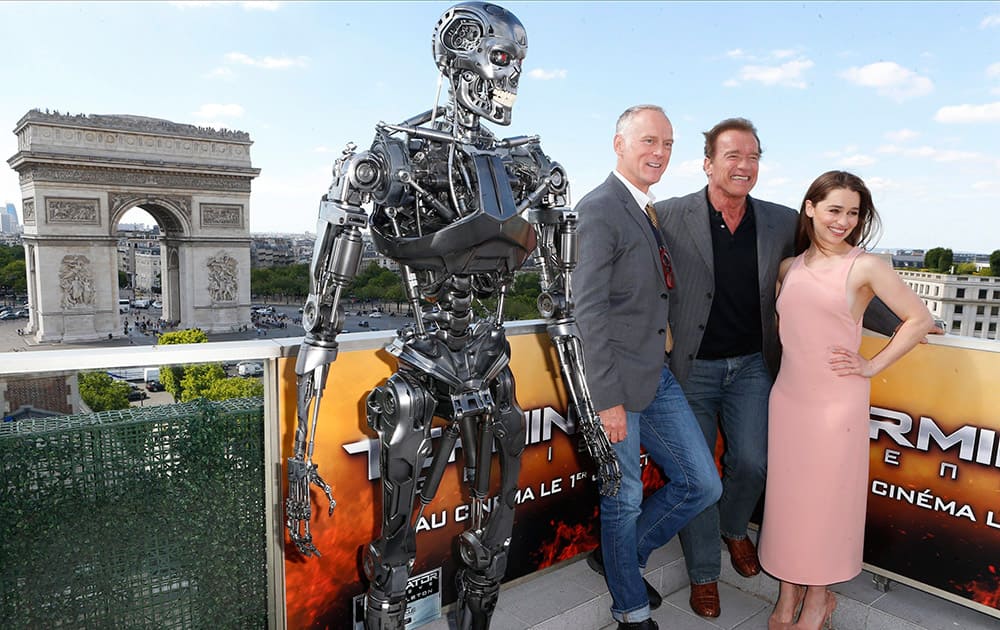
(302,472)
(557,257)
(298,508)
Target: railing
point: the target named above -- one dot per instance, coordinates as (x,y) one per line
(170,517)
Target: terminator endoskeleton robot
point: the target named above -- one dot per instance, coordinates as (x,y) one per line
(460,211)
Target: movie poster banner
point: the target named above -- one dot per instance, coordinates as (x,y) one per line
(556,516)
(934,482)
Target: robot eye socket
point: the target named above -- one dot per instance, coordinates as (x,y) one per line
(500,58)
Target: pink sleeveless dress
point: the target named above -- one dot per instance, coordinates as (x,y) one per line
(817,461)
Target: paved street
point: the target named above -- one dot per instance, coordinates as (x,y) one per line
(10,341)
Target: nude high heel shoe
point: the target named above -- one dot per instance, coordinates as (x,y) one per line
(825,622)
(775,622)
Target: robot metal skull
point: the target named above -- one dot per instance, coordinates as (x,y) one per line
(480,47)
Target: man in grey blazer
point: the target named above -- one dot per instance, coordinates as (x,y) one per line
(622,303)
(726,249)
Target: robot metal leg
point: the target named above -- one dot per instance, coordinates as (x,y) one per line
(400,412)
(483,547)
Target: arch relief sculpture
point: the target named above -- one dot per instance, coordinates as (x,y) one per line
(76,281)
(222,278)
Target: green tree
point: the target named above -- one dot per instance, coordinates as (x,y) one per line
(122,279)
(101,392)
(287,281)
(995,263)
(171,376)
(14,277)
(188,335)
(945,261)
(932,257)
(966,269)
(10,253)
(236,387)
(198,379)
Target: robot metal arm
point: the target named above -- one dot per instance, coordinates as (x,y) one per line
(556,254)
(335,262)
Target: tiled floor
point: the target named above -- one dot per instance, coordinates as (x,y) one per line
(571,596)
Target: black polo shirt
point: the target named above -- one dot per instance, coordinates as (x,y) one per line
(734,327)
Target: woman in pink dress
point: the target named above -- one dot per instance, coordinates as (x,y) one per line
(814,510)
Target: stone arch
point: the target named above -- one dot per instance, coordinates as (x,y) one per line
(80,174)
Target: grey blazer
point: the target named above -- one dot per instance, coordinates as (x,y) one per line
(685,224)
(621,298)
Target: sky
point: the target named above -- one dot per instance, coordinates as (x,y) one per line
(904,94)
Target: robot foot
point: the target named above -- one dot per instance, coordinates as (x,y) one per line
(383,614)
(477,599)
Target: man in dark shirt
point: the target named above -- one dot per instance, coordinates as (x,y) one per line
(726,249)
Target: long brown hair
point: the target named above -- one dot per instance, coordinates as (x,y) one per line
(869,225)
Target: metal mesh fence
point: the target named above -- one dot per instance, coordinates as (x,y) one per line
(141,518)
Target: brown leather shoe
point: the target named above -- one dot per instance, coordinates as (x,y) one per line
(744,556)
(705,599)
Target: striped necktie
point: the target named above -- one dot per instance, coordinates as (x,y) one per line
(668,274)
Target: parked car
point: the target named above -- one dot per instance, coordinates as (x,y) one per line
(375,315)
(157,304)
(135,394)
(249,368)
(154,386)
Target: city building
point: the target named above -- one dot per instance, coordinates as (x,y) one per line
(8,220)
(908,258)
(914,259)
(968,305)
(271,251)
(139,258)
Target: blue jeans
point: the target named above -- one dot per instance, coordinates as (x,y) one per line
(732,393)
(631,528)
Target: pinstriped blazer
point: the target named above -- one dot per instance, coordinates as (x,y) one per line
(685,225)
(621,298)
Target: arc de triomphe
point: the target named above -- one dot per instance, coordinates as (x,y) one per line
(80,174)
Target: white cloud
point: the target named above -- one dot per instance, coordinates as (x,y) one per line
(547,75)
(249,5)
(990,21)
(856,160)
(221,72)
(788,74)
(902,135)
(889,79)
(213,110)
(268,63)
(988,112)
(736,53)
(688,168)
(879,184)
(993,70)
(937,155)
(951,155)
(783,54)
(261,5)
